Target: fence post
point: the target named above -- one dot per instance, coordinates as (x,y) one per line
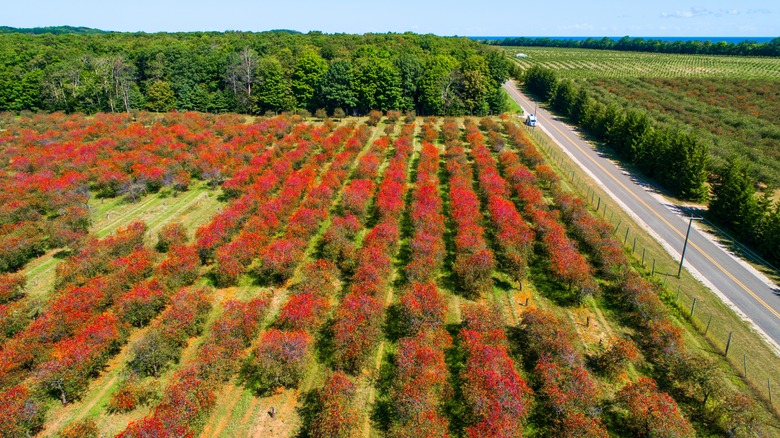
(653,272)
(643,256)
(769,388)
(618,225)
(744,363)
(693,307)
(625,240)
(708,326)
(598,206)
(633,249)
(728,344)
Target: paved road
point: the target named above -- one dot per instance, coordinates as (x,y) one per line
(752,293)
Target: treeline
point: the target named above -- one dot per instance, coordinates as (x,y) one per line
(677,159)
(744,48)
(251,73)
(51,29)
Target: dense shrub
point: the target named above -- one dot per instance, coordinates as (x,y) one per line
(130,394)
(280,359)
(651,412)
(357,330)
(142,303)
(180,268)
(336,415)
(11,287)
(23,414)
(172,234)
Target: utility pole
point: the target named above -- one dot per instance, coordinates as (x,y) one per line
(685,245)
(536,105)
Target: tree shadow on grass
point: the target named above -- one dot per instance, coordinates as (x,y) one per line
(383,414)
(396,325)
(310,406)
(454,407)
(502,284)
(324,347)
(539,272)
(448,278)
(62,254)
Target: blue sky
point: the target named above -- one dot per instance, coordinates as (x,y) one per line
(454,17)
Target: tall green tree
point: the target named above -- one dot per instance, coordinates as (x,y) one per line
(582,108)
(769,242)
(612,125)
(309,69)
(273,90)
(564,97)
(336,90)
(652,159)
(499,66)
(411,70)
(160,97)
(685,171)
(635,133)
(734,201)
(541,81)
(378,84)
(476,85)
(436,84)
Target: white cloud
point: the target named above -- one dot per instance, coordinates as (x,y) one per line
(581,26)
(690,13)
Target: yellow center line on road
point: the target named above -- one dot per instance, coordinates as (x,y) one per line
(679,233)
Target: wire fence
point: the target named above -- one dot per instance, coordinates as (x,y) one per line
(752,358)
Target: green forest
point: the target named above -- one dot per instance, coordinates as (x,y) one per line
(254,73)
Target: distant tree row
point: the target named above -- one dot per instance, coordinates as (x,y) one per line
(744,48)
(675,158)
(251,73)
(57,30)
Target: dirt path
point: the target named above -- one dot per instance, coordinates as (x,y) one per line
(283,423)
(230,393)
(244,424)
(590,324)
(455,306)
(114,218)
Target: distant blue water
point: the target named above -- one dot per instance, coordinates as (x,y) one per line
(732,40)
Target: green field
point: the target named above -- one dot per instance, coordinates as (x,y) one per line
(732,102)
(585,63)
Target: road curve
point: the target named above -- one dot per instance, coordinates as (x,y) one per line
(749,292)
